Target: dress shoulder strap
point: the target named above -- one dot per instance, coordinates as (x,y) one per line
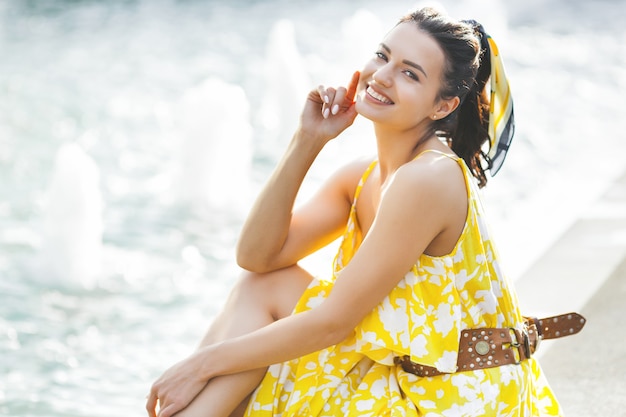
(366,174)
(467,174)
(451,156)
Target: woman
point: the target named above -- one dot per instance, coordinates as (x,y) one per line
(415,269)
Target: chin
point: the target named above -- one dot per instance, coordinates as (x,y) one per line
(360,106)
(365,111)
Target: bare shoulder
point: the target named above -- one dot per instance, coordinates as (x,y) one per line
(432,182)
(433,171)
(431,198)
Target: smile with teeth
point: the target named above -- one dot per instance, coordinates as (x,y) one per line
(378,97)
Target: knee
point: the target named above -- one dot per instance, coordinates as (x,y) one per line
(278,290)
(251,284)
(270,282)
(251,289)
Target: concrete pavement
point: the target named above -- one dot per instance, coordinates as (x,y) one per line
(587,371)
(585,271)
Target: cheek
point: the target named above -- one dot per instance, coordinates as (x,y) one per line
(366,76)
(419,100)
(367,72)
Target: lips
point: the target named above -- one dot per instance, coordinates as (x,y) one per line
(378,96)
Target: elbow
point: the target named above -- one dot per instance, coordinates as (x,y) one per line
(254,267)
(259,260)
(250,261)
(250,264)
(244,257)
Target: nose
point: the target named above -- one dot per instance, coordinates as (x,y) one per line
(382,76)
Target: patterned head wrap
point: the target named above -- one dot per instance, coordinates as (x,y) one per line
(501,118)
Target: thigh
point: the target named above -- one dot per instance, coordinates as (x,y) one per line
(257,300)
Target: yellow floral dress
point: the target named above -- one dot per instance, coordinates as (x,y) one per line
(421,317)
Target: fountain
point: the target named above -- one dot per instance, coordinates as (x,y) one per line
(216,150)
(286,86)
(71,247)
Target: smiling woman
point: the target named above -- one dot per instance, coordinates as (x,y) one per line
(417,306)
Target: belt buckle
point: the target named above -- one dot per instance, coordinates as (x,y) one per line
(525,344)
(531,328)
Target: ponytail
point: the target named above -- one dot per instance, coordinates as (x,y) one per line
(472,116)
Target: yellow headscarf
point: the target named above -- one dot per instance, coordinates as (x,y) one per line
(501,119)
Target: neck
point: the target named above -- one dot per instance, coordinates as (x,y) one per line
(396,148)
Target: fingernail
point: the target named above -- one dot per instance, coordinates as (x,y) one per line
(326,99)
(335,108)
(326,113)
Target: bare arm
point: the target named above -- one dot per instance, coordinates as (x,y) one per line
(412,213)
(272,237)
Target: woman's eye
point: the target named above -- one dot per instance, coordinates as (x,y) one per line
(381,55)
(411,75)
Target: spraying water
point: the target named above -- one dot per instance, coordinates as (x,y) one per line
(71,251)
(286,82)
(216,151)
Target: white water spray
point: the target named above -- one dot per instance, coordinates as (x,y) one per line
(71,248)
(216,150)
(286,86)
(362,32)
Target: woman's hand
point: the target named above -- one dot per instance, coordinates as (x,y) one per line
(176,388)
(329,111)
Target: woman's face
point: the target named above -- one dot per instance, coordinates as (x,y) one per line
(399,86)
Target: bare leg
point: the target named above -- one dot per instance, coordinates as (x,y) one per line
(256,301)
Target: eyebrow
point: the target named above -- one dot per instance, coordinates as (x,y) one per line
(406,61)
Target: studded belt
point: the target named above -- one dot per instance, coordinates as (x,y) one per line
(490,347)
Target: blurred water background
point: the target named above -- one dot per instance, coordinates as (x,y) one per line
(134,134)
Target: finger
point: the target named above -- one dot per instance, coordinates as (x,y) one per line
(151,404)
(345,97)
(339,101)
(169,411)
(328,96)
(323,94)
(352,87)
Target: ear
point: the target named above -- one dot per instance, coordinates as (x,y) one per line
(445,107)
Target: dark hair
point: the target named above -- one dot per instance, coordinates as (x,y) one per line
(465,74)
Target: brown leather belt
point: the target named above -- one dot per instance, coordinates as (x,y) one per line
(490,347)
